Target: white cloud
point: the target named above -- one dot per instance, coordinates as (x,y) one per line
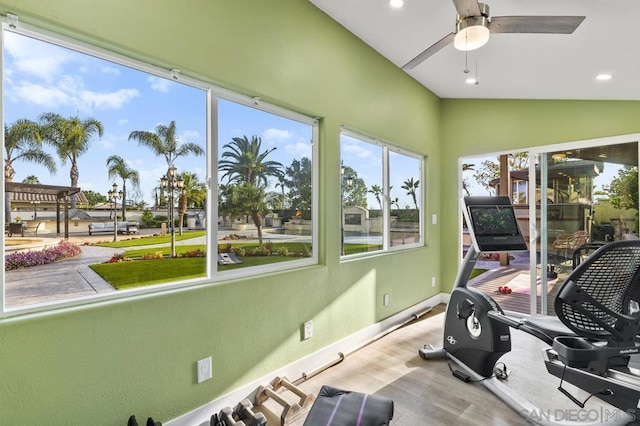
(122,121)
(69,91)
(358,150)
(39,95)
(113,100)
(299,149)
(35,57)
(273,136)
(159,84)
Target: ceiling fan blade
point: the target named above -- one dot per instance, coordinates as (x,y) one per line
(535,24)
(429,51)
(467,7)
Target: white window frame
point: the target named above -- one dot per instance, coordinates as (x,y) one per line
(313,122)
(212,93)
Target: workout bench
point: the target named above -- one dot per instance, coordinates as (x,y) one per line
(335,407)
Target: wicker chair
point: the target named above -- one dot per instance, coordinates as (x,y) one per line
(568,243)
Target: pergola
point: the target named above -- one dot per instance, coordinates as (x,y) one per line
(27,192)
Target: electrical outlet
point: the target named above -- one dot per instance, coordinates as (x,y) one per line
(386,299)
(204,369)
(433,281)
(434,219)
(308,330)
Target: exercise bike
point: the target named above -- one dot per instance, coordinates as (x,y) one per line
(591,339)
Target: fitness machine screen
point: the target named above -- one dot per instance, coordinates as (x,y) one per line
(494,226)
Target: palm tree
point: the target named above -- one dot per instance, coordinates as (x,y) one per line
(164,143)
(117,167)
(31,179)
(71,138)
(411,186)
(377,192)
(193,192)
(23,141)
(244,163)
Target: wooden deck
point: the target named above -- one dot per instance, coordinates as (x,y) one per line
(490,281)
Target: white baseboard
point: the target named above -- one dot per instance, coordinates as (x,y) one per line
(201,415)
(445,297)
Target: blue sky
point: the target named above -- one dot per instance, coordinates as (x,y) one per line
(366,159)
(40,77)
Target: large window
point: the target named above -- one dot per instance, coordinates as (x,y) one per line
(109,165)
(381,196)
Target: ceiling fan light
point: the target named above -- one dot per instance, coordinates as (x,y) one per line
(472,34)
(604,77)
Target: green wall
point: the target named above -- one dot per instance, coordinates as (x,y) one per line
(473,127)
(99,363)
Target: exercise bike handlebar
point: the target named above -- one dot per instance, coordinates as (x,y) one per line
(519,325)
(466,268)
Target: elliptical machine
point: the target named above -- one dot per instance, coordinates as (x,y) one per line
(591,339)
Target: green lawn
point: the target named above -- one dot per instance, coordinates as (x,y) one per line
(360,248)
(123,275)
(166,251)
(139,273)
(142,241)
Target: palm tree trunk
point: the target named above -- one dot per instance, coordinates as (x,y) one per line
(9,173)
(7,207)
(182,209)
(124,198)
(74,174)
(257,220)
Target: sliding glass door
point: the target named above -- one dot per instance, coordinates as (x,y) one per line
(586,195)
(569,200)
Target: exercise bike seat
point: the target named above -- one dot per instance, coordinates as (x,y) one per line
(599,302)
(550,327)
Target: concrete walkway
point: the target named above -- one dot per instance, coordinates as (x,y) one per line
(69,278)
(64,280)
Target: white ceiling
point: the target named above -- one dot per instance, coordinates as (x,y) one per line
(526,66)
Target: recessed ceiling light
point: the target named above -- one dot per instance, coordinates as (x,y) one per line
(471,80)
(396,3)
(604,77)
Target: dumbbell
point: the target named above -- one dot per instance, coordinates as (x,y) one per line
(226,418)
(244,412)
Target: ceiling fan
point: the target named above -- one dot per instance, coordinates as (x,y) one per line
(473,25)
